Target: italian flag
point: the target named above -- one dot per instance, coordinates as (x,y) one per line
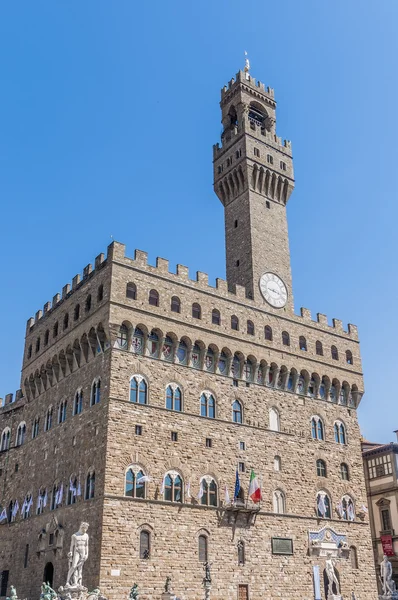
(254,488)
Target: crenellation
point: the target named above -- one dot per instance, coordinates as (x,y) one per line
(99,260)
(162,264)
(305,313)
(75,282)
(56,299)
(116,251)
(46,307)
(29,324)
(8,398)
(183,271)
(240,292)
(338,325)
(353,331)
(87,270)
(38,315)
(322,319)
(66,289)
(141,258)
(222,286)
(202,278)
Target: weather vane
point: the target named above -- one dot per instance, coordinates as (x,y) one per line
(247,63)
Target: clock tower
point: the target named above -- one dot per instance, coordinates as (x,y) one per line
(253,178)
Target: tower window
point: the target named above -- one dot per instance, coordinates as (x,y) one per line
(46,337)
(88,303)
(268,204)
(229,162)
(238,153)
(30,351)
(319,348)
(250,327)
(154,298)
(215,317)
(268,333)
(100,293)
(334,352)
(76,312)
(303,343)
(270,159)
(234,323)
(219,169)
(285,338)
(257,152)
(237,263)
(282,165)
(175,304)
(236,223)
(66,321)
(196,311)
(348,356)
(131,291)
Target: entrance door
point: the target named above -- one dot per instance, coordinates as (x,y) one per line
(243,592)
(48,576)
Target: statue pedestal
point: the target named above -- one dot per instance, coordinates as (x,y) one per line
(168,596)
(334,597)
(75,592)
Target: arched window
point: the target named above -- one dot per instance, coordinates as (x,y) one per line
(317,431)
(137,341)
(49,419)
(55,329)
(66,321)
(207,405)
(78,402)
(62,412)
(241,552)
(175,304)
(312,387)
(38,344)
(95,392)
(237,412)
(279,502)
(100,293)
(202,548)
(21,434)
(57,495)
(208,491)
(348,357)
(90,486)
(334,352)
(268,333)
(321,468)
(173,398)
(172,487)
(122,337)
(277,463)
(135,484)
(339,433)
(319,348)
(250,327)
(347,508)
(88,303)
(26,506)
(35,428)
(274,421)
(215,317)
(76,312)
(248,370)
(131,291)
(344,473)
(154,298)
(41,501)
(285,338)
(196,311)
(323,505)
(303,343)
(5,439)
(235,323)
(353,557)
(138,389)
(72,491)
(46,337)
(145,544)
(30,351)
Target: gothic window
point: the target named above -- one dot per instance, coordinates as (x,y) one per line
(196,311)
(135,484)
(167,350)
(153,344)
(41,501)
(279,502)
(26,506)
(138,390)
(347,508)
(268,333)
(122,337)
(277,463)
(66,321)
(250,327)
(182,353)
(95,392)
(237,412)
(334,352)
(30,351)
(303,343)
(348,357)
(88,303)
(323,505)
(317,430)
(21,434)
(319,348)
(173,398)
(38,344)
(145,544)
(46,337)
(154,298)
(274,420)
(131,291)
(175,304)
(344,473)
(137,342)
(76,312)
(55,329)
(215,317)
(49,419)
(270,159)
(207,405)
(353,557)
(172,487)
(35,428)
(5,439)
(62,412)
(248,370)
(256,152)
(209,488)
(282,165)
(72,491)
(321,468)
(339,433)
(202,548)
(78,403)
(90,486)
(285,338)
(235,323)
(312,388)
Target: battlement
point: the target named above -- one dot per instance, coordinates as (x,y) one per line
(274,140)
(10,399)
(247,79)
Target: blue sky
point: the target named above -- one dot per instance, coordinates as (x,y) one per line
(108,114)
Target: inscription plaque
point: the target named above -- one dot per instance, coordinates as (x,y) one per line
(282,545)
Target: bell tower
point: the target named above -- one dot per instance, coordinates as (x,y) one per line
(253,178)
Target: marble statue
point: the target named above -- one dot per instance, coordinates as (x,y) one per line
(95,595)
(331,575)
(134,592)
(386,578)
(77,556)
(207,573)
(47,593)
(13,594)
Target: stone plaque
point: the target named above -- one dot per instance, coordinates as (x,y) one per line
(115,572)
(282,545)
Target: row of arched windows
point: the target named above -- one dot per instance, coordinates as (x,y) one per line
(196,312)
(212,360)
(345,507)
(88,304)
(318,430)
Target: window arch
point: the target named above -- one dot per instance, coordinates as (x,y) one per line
(145,544)
(35,428)
(203,548)
(72,491)
(122,337)
(172,485)
(88,303)
(347,508)
(250,327)
(41,501)
(196,311)
(21,434)
(46,337)
(237,412)
(279,502)
(135,482)
(319,348)
(66,321)
(285,338)
(173,397)
(78,403)
(55,329)
(207,405)
(344,472)
(95,392)
(208,491)
(234,323)
(138,389)
(317,429)
(49,419)
(100,293)
(323,505)
(175,304)
(277,463)
(320,468)
(38,344)
(339,433)
(5,439)
(303,343)
(274,419)
(348,357)
(131,291)
(62,412)
(215,317)
(90,486)
(353,557)
(76,312)
(30,351)
(154,298)
(268,333)
(334,352)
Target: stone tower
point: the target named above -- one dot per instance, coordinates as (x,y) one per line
(253,178)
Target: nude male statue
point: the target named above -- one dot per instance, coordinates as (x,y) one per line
(386,577)
(77,556)
(331,575)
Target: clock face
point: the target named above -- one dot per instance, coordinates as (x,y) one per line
(273,290)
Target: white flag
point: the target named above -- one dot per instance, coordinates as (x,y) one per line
(321,505)
(162,486)
(188,490)
(29,506)
(15,509)
(24,505)
(227,498)
(45,498)
(79,489)
(364,509)
(339,508)
(72,488)
(3,515)
(59,495)
(351,513)
(143,479)
(201,490)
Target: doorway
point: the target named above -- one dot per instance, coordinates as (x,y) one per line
(48,575)
(243,592)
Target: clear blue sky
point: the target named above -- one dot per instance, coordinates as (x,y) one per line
(108,113)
